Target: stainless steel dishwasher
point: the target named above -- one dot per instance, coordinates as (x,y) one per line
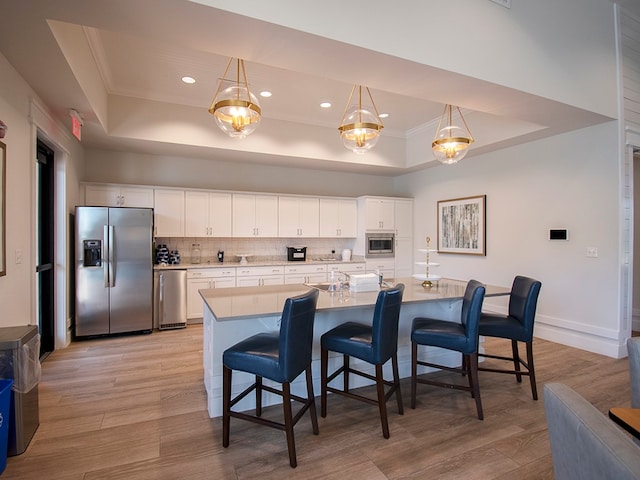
(170,299)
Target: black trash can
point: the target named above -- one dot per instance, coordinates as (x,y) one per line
(20,362)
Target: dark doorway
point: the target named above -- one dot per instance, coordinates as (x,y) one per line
(45,205)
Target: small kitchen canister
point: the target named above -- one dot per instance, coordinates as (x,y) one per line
(195,253)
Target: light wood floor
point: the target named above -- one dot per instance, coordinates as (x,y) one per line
(134,408)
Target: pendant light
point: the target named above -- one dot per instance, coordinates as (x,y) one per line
(360,128)
(451,142)
(235,109)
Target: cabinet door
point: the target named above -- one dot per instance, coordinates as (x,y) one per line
(136,197)
(404,218)
(309,217)
(266,215)
(196,214)
(223,282)
(169,213)
(102,196)
(244,216)
(404,257)
(379,214)
(273,280)
(288,217)
(338,217)
(348,227)
(195,304)
(248,281)
(219,214)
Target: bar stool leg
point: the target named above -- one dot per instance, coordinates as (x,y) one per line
(473,382)
(345,374)
(382,405)
(312,404)
(396,383)
(226,405)
(532,372)
(516,359)
(258,396)
(324,360)
(288,424)
(414,372)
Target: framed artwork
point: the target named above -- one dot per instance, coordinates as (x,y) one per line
(461,225)
(3,170)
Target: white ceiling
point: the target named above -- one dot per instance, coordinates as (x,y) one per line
(141,49)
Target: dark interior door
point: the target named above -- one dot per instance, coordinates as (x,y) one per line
(45,248)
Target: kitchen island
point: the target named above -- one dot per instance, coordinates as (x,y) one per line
(233,314)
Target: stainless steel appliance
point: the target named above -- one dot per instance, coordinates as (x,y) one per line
(379,244)
(20,362)
(114,270)
(170,299)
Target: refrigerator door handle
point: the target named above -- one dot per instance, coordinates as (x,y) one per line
(105,264)
(112,254)
(161,295)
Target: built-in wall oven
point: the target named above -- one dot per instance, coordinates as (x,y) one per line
(379,244)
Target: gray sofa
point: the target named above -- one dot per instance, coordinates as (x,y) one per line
(585,444)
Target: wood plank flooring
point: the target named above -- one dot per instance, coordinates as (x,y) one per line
(134,407)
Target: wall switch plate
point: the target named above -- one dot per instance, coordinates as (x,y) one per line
(18,256)
(592,252)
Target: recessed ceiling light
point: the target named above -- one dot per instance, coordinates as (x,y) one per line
(188,79)
(325,104)
(384,115)
(265,94)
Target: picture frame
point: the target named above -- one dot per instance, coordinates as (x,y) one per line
(462,225)
(3,196)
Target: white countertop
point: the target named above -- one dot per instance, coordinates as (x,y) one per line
(257,263)
(251,302)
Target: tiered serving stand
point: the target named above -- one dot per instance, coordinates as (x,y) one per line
(427,278)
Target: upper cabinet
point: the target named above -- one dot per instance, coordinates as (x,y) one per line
(169,212)
(207,214)
(255,215)
(118,196)
(338,217)
(403,217)
(298,217)
(379,213)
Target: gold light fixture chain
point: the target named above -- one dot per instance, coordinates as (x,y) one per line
(224,76)
(465,124)
(375,109)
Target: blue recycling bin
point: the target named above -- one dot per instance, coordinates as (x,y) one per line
(5,402)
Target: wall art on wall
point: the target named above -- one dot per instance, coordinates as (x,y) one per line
(461,225)
(3,170)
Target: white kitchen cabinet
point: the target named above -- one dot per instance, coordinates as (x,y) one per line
(404,251)
(298,217)
(207,214)
(118,196)
(385,266)
(305,274)
(338,217)
(258,276)
(255,215)
(169,212)
(346,267)
(379,213)
(205,278)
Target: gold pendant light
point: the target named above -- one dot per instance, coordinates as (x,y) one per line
(451,142)
(360,128)
(235,109)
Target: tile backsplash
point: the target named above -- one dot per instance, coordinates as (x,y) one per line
(260,249)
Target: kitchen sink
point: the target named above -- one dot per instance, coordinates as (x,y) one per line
(325,286)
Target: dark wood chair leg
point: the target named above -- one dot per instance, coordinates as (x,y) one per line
(396,383)
(414,372)
(516,359)
(532,372)
(382,404)
(324,360)
(258,396)
(474,384)
(288,424)
(312,400)
(345,374)
(226,405)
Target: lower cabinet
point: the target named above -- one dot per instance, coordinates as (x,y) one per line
(259,276)
(385,266)
(205,278)
(305,274)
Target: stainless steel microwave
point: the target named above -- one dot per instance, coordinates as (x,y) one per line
(379,244)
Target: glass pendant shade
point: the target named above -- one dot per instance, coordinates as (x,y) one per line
(236,110)
(360,128)
(451,142)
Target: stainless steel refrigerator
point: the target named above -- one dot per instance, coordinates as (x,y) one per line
(114,270)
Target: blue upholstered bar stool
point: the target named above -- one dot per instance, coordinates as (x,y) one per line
(374,344)
(516,326)
(280,358)
(461,337)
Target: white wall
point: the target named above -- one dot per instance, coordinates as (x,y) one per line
(120,167)
(27,120)
(568,181)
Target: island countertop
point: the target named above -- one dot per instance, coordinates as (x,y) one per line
(265,301)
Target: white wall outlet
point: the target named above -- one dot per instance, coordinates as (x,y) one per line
(592,252)
(18,256)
